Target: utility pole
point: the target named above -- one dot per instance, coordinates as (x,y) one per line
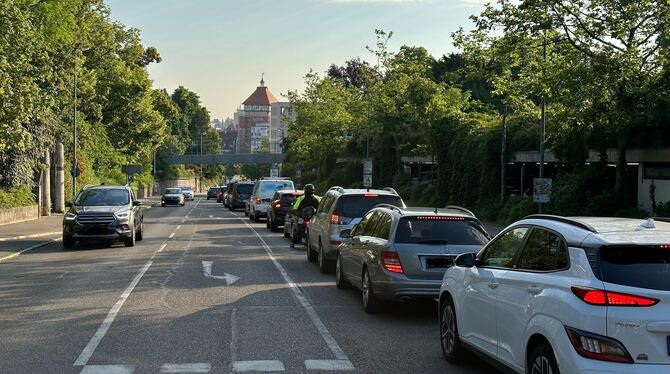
(543,121)
(75,169)
(201,134)
(503,149)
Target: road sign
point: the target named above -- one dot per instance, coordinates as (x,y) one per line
(367,167)
(274,173)
(541,190)
(367,180)
(298,172)
(75,171)
(131,169)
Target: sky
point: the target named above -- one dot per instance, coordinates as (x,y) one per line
(220,48)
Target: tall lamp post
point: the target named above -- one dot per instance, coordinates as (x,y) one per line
(201,175)
(75,169)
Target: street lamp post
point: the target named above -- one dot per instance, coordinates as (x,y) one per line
(201,135)
(75,169)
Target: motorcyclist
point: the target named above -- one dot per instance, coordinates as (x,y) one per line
(307,200)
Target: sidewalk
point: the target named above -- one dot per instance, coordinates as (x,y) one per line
(43,226)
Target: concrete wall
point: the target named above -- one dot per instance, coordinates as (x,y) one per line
(193,182)
(662,190)
(13,215)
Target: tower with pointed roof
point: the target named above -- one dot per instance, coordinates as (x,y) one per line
(254,119)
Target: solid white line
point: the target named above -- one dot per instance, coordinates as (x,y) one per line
(200,367)
(258,365)
(104,326)
(31,236)
(184,220)
(302,299)
(27,249)
(178,227)
(171,236)
(328,365)
(107,369)
(162,247)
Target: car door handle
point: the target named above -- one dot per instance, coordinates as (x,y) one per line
(493,285)
(534,289)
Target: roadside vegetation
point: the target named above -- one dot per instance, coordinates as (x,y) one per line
(601,67)
(51,48)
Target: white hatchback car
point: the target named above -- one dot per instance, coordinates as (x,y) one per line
(573,295)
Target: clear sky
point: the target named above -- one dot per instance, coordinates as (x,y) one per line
(219,48)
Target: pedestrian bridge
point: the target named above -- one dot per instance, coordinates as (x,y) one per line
(225,158)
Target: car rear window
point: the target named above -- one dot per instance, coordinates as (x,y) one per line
(289,197)
(431,230)
(355,206)
(636,266)
(245,189)
(269,188)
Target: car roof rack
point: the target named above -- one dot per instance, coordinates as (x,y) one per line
(339,189)
(390,189)
(389,206)
(460,208)
(275,178)
(562,219)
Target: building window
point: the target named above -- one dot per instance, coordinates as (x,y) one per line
(656,171)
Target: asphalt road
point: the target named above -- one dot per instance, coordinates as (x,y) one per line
(205,291)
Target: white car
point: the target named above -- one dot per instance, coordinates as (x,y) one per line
(188,192)
(262,194)
(573,295)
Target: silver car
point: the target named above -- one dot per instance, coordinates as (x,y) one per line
(399,254)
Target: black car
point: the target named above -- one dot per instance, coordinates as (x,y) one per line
(239,195)
(280,206)
(213,192)
(105,213)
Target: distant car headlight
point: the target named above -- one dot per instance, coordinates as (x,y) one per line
(69,216)
(122,215)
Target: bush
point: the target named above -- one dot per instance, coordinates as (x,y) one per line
(662,209)
(16,197)
(516,208)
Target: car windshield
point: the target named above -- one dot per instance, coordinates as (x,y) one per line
(103,197)
(437,230)
(636,266)
(186,188)
(355,206)
(244,189)
(267,189)
(172,191)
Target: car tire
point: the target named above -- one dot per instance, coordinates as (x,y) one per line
(452,349)
(542,360)
(130,242)
(68,242)
(370,302)
(256,217)
(296,238)
(287,234)
(163,205)
(340,279)
(182,204)
(312,256)
(325,265)
(273,225)
(140,232)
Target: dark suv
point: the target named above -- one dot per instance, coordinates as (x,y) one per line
(106,213)
(340,209)
(239,194)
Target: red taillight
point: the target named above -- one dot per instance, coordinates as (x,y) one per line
(371,195)
(441,218)
(664,246)
(277,205)
(391,262)
(596,347)
(335,242)
(258,201)
(609,298)
(335,219)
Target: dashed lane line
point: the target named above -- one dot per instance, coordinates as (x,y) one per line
(200,367)
(171,236)
(178,227)
(258,366)
(107,369)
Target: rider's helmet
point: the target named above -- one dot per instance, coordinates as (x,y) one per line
(309,189)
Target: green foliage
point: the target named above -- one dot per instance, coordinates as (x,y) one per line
(662,209)
(515,208)
(16,197)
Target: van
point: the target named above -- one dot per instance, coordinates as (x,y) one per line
(262,194)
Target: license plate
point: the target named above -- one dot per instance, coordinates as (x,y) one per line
(439,262)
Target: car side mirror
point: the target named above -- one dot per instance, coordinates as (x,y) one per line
(466,260)
(68,204)
(345,234)
(137,203)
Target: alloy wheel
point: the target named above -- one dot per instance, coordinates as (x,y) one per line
(448,328)
(541,365)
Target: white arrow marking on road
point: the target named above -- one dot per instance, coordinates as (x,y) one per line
(207,269)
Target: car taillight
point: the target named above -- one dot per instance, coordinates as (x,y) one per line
(258,201)
(441,218)
(335,219)
(597,347)
(608,298)
(277,205)
(664,246)
(371,195)
(391,262)
(335,242)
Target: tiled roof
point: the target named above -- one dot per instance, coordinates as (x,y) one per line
(262,96)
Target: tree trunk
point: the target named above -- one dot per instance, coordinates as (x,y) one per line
(620,182)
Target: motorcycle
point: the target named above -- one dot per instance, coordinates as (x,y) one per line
(300,225)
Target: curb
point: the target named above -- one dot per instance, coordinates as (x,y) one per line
(31,236)
(28,249)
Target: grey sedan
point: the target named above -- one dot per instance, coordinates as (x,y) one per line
(399,254)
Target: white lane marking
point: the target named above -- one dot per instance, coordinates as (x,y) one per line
(178,227)
(107,322)
(258,365)
(162,247)
(323,330)
(207,270)
(107,369)
(200,367)
(211,216)
(31,236)
(171,236)
(328,365)
(28,249)
(182,221)
(233,335)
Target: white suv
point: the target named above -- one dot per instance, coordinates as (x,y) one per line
(262,194)
(574,295)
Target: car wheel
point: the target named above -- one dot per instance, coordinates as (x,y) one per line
(273,224)
(130,242)
(68,242)
(287,234)
(296,237)
(182,204)
(257,218)
(325,265)
(340,279)
(451,343)
(542,361)
(140,232)
(370,302)
(163,205)
(312,256)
